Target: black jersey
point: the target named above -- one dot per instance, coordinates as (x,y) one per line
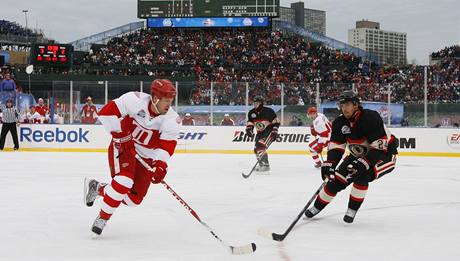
(263,119)
(365,134)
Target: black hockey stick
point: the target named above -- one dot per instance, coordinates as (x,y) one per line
(269,142)
(240,250)
(281,237)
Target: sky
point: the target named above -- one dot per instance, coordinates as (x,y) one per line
(430,25)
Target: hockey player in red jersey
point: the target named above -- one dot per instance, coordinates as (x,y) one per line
(140,124)
(321,129)
(372,154)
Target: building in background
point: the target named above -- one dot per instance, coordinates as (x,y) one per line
(311,19)
(390,47)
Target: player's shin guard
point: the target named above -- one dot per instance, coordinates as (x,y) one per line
(114,195)
(324,197)
(357,195)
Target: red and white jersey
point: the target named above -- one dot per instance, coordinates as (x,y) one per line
(89,114)
(322,128)
(155,136)
(34,117)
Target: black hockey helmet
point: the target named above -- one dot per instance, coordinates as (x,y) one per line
(349,95)
(258,98)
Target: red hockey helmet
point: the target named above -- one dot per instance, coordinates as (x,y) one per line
(312,110)
(162,88)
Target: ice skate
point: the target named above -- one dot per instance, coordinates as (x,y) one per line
(263,169)
(311,212)
(91,191)
(349,216)
(98,225)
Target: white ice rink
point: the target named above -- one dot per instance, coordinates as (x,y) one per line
(410,214)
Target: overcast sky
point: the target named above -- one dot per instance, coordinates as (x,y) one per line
(430,24)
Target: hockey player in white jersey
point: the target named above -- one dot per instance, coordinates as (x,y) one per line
(140,124)
(321,130)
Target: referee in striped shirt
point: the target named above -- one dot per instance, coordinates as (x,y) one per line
(10,119)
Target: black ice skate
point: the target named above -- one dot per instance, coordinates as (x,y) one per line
(91,191)
(311,212)
(317,165)
(349,216)
(98,225)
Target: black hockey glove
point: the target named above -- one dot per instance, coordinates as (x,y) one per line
(328,170)
(275,133)
(250,131)
(359,165)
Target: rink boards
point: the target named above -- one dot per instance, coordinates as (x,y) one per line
(226,139)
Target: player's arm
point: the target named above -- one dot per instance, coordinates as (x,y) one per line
(275,123)
(335,151)
(377,139)
(322,131)
(110,115)
(169,132)
(250,125)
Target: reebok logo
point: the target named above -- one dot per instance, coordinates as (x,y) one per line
(56,135)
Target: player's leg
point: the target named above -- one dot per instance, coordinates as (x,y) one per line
(114,193)
(328,192)
(260,151)
(314,154)
(3,136)
(142,181)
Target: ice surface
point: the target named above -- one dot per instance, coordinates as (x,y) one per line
(411,214)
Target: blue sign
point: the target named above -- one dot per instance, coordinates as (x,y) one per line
(396,110)
(209,22)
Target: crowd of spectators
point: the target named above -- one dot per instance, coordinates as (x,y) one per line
(266,59)
(12,28)
(448,52)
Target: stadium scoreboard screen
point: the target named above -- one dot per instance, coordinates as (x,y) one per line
(207,8)
(51,54)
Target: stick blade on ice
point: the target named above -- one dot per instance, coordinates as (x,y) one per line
(242,250)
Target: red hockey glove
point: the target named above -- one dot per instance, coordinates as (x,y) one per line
(250,131)
(160,168)
(319,147)
(328,170)
(313,132)
(124,143)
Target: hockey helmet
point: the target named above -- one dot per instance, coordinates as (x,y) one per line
(163,88)
(349,95)
(258,98)
(312,110)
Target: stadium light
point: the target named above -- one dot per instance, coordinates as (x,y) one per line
(25,15)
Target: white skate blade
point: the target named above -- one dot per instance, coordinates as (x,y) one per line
(85,189)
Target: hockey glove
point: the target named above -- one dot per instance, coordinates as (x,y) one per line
(250,131)
(313,132)
(160,168)
(275,133)
(123,142)
(328,170)
(359,165)
(319,147)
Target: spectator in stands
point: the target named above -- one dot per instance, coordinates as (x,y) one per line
(295,121)
(227,121)
(89,112)
(33,117)
(55,120)
(405,122)
(41,107)
(8,88)
(188,120)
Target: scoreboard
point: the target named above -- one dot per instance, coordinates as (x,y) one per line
(206,8)
(51,54)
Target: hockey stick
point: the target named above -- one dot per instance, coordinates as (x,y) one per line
(240,250)
(269,141)
(281,237)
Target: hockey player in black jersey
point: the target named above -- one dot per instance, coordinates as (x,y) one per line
(372,154)
(266,123)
